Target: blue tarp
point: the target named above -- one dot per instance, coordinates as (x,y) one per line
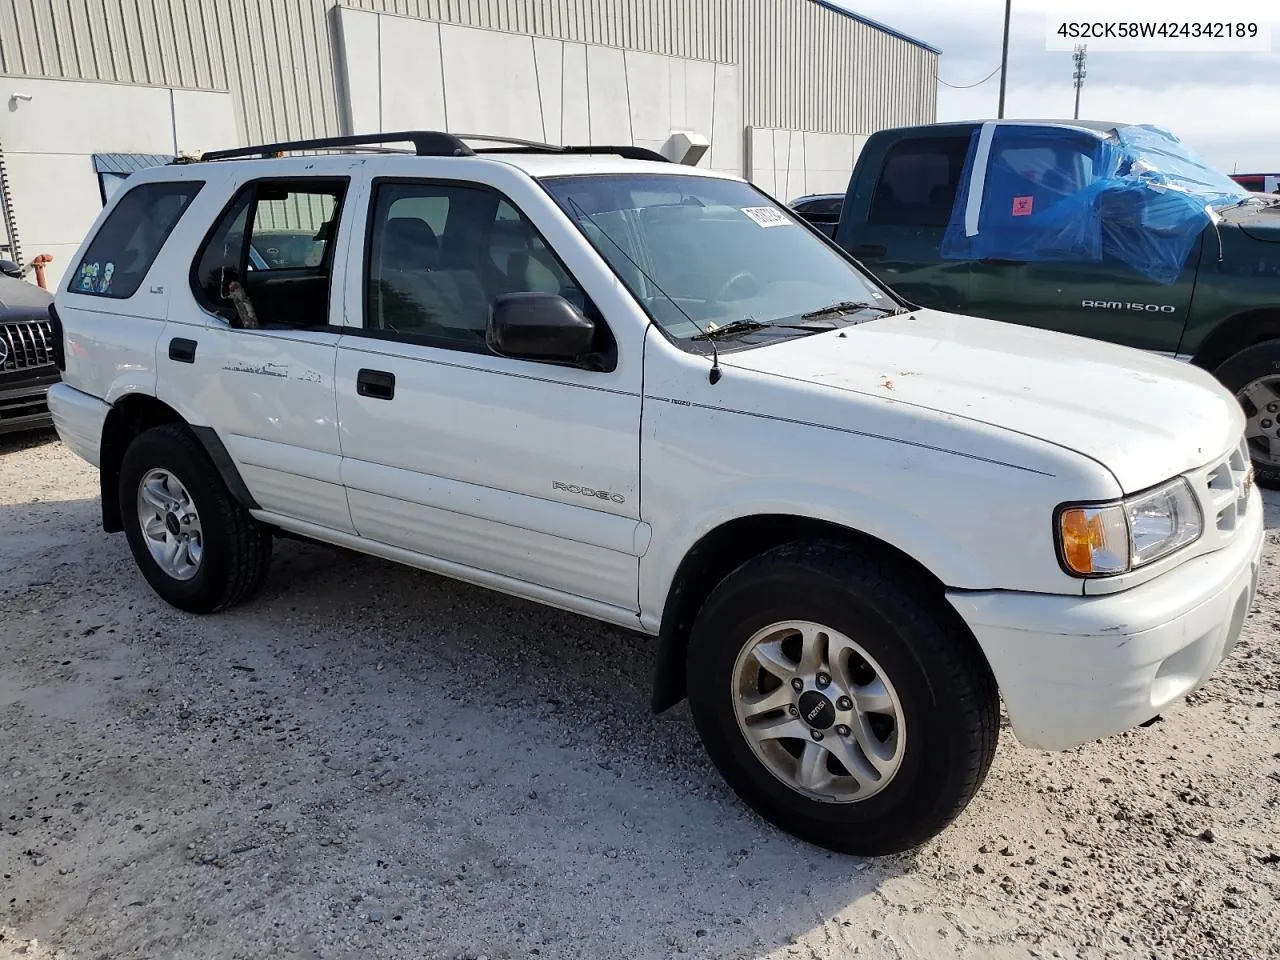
(1137,194)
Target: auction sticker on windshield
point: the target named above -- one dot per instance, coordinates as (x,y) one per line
(767,216)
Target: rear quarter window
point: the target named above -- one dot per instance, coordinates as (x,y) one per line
(131,237)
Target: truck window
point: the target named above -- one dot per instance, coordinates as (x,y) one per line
(129,240)
(918,182)
(822,207)
(1030,172)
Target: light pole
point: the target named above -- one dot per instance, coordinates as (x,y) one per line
(1079,57)
(1004,57)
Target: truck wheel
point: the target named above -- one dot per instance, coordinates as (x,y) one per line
(1253,375)
(197,547)
(842,705)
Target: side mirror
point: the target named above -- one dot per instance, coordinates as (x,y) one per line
(539,326)
(10,269)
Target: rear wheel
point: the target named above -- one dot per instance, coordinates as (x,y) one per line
(1253,375)
(197,547)
(841,703)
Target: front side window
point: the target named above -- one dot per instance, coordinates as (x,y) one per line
(130,239)
(440,254)
(268,260)
(700,253)
(1032,170)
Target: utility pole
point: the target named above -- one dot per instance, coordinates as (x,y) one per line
(1004,57)
(1078,58)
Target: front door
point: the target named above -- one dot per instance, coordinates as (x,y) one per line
(518,468)
(1030,170)
(250,343)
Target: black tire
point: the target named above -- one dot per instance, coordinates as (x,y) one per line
(236,548)
(949,701)
(1237,372)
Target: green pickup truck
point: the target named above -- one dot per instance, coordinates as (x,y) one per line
(1105,230)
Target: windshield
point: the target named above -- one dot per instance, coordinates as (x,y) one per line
(700,253)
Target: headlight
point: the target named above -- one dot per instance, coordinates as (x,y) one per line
(1103,540)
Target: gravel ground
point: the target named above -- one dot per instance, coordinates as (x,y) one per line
(369,761)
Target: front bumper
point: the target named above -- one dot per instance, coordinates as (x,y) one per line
(1074,669)
(78,418)
(22,399)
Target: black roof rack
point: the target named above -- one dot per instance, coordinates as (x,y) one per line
(427,143)
(515,145)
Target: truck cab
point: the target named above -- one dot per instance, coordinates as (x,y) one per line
(1072,226)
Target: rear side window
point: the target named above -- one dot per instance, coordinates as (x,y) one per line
(291,228)
(120,255)
(268,260)
(918,184)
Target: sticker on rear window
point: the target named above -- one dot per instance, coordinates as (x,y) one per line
(767,216)
(1022,206)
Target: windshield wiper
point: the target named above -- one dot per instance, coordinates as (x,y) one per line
(749,325)
(847,306)
(746,325)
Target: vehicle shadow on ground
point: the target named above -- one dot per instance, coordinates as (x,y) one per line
(1271,508)
(403,746)
(27,439)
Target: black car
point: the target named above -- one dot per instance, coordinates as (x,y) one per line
(820,209)
(26,352)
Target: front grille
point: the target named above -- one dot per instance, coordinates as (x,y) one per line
(1223,489)
(29,344)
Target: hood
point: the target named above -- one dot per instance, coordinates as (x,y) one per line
(1258,221)
(1143,417)
(20,300)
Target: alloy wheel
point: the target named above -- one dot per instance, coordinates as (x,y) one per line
(170,524)
(818,711)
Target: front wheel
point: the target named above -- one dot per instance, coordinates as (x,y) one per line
(838,701)
(197,547)
(1253,375)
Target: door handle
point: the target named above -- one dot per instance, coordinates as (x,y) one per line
(997,262)
(376,384)
(182,350)
(869,250)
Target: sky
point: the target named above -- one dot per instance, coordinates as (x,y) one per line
(1226,105)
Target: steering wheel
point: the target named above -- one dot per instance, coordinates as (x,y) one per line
(740,278)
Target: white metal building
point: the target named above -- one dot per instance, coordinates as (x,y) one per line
(785,90)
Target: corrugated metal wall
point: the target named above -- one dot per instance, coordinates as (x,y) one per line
(810,68)
(805,67)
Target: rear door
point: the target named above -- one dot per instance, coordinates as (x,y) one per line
(250,349)
(1030,170)
(894,219)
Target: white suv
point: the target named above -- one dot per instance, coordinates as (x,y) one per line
(651,395)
